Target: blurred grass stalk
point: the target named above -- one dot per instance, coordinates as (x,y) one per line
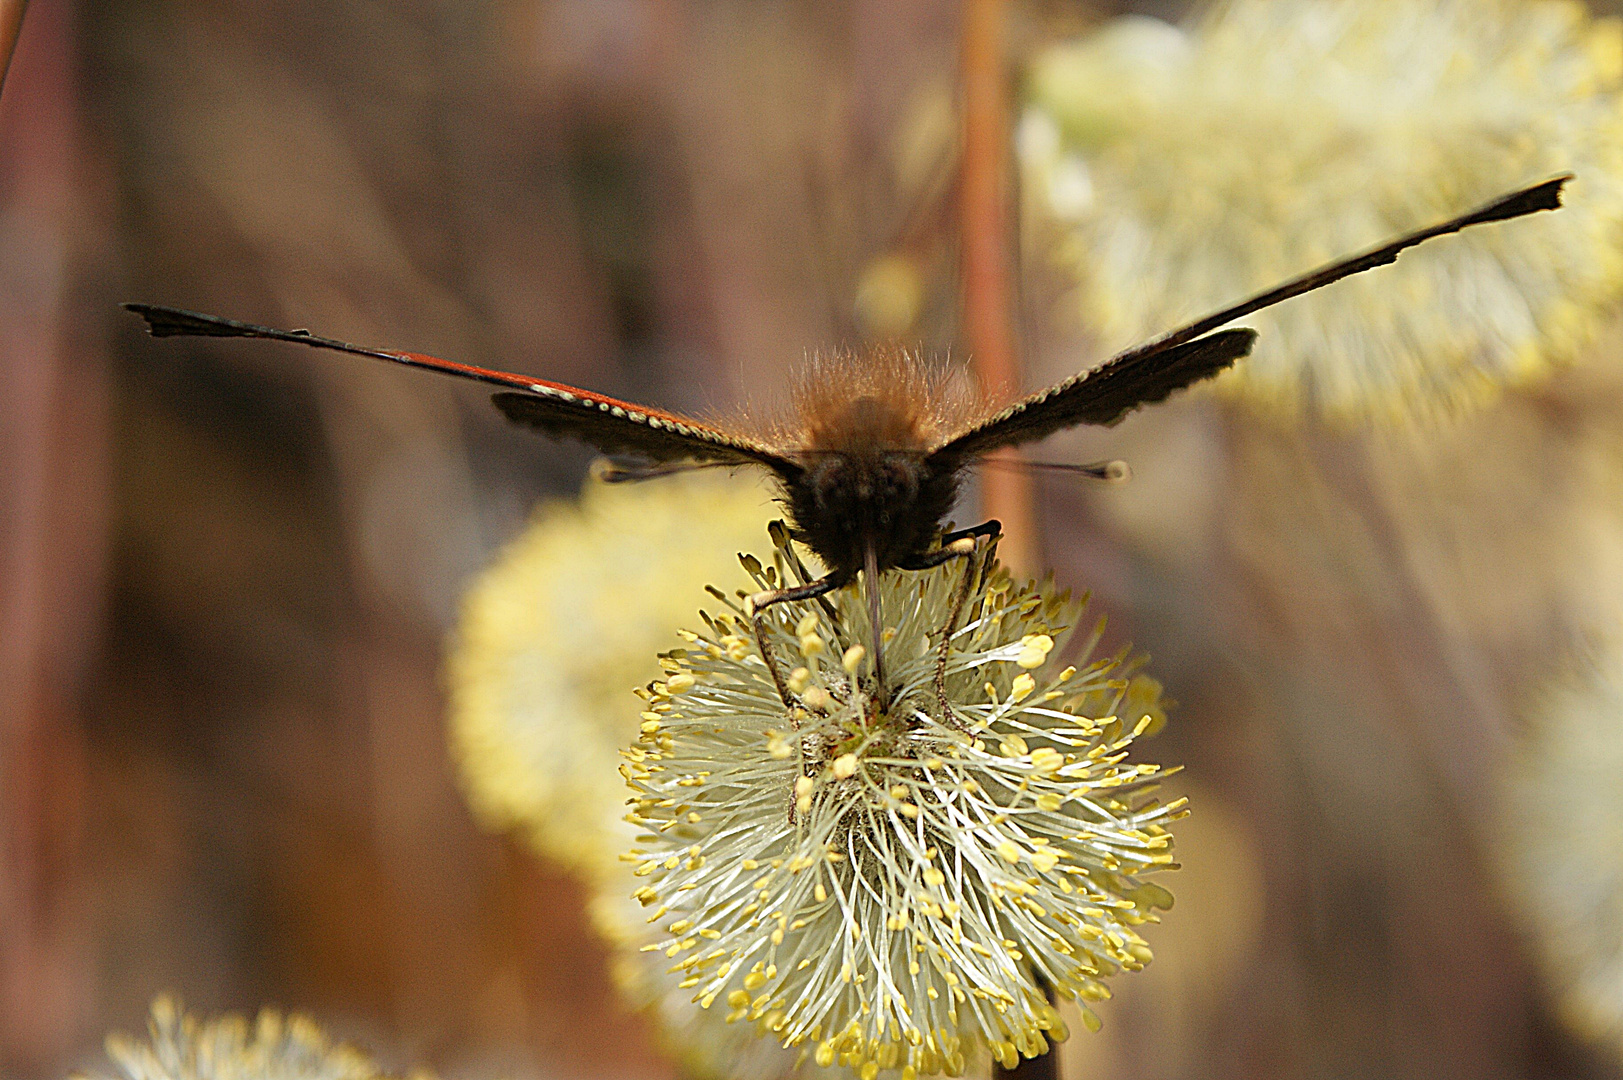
(53,481)
(1006,493)
(11,25)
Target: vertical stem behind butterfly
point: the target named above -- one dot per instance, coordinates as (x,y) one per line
(984,210)
(11,25)
(988,292)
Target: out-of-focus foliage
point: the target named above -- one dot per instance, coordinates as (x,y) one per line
(1561,834)
(1186,169)
(181,1046)
(554,638)
(556,635)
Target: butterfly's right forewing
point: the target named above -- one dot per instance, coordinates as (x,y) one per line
(1192,352)
(1102,396)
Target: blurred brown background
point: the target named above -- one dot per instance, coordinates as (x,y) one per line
(226,572)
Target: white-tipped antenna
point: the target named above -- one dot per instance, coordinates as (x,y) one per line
(1114,471)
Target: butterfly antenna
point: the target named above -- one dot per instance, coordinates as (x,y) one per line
(1115,471)
(610,471)
(1545,196)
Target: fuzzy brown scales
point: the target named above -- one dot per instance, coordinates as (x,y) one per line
(924,404)
(862,432)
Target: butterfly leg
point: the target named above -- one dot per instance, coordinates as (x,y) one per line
(961,544)
(988,529)
(754,605)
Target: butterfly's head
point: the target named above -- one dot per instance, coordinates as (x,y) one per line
(868,483)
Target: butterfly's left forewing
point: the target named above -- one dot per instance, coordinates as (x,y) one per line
(613,426)
(618,427)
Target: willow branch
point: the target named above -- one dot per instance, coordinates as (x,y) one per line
(984,220)
(11,25)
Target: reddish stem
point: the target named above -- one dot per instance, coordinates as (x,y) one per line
(11,24)
(985,247)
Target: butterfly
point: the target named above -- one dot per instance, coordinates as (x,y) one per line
(871,454)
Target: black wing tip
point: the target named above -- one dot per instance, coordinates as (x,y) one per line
(1221,350)
(1545,196)
(1207,356)
(1202,359)
(1242,332)
(173,322)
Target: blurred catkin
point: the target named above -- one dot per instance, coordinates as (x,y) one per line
(181,1046)
(1180,170)
(1561,833)
(555,636)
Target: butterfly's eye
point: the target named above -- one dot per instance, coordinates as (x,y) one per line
(897,477)
(829,478)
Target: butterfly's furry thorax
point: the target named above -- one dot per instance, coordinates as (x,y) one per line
(861,431)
